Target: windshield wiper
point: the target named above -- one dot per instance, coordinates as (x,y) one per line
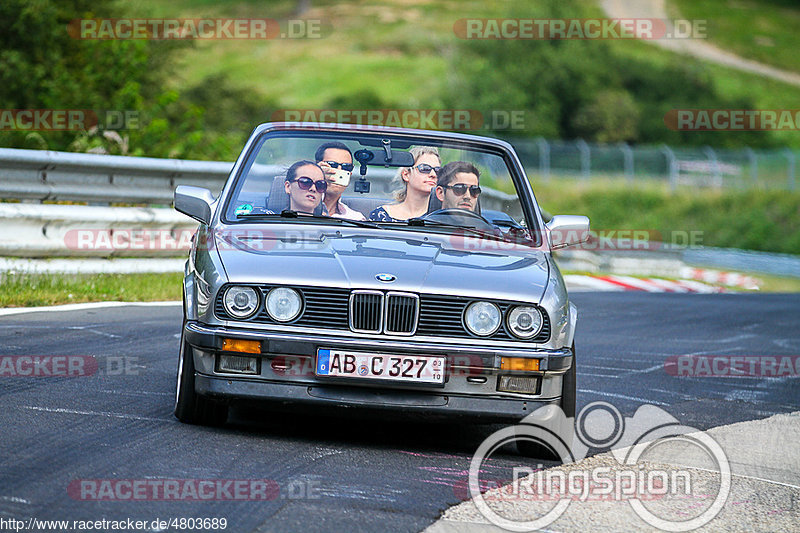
(436,224)
(288,213)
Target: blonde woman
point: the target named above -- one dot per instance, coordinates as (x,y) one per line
(416,183)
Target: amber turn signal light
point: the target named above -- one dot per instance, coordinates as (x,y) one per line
(519,363)
(241,346)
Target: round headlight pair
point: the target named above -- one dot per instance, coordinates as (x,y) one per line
(484,319)
(282,303)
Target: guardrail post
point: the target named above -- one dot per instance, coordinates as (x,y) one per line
(712,158)
(586,158)
(627,156)
(544,158)
(753,158)
(791,157)
(672,167)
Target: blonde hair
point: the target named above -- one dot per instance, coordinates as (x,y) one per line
(401,190)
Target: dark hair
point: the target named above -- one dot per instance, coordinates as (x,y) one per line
(330,144)
(291,173)
(450,170)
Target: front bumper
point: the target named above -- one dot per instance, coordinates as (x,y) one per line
(470,389)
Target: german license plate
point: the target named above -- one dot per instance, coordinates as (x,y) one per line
(390,367)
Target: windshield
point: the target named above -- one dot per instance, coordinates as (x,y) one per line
(377,180)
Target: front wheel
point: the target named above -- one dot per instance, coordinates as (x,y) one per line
(569,389)
(190,407)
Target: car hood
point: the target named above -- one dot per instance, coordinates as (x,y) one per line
(430,263)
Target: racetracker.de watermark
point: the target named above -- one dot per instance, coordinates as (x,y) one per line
(196,28)
(59,366)
(732,119)
(426,119)
(591,28)
(149,489)
(733,366)
(67,119)
(597,240)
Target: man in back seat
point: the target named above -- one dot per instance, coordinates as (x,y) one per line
(336,162)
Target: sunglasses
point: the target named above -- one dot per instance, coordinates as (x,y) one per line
(305,184)
(348,167)
(461,189)
(425,168)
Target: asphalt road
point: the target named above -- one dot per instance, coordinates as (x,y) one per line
(344,473)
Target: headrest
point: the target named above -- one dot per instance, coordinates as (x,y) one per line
(434,204)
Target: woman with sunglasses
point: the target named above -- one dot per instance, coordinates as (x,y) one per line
(305,184)
(416,184)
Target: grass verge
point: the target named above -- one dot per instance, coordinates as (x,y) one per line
(761,220)
(31,290)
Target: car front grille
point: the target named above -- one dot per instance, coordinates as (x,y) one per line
(401,313)
(396,313)
(366,311)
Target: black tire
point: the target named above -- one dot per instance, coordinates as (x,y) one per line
(569,389)
(190,407)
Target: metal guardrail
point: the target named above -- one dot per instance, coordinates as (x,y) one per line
(43,175)
(58,230)
(46,231)
(102,179)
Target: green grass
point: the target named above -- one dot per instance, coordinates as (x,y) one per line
(750,220)
(28,290)
(766,31)
(399,51)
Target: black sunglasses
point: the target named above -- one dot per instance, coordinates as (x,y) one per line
(461,188)
(345,166)
(425,168)
(306,183)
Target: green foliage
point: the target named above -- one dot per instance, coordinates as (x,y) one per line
(594,89)
(748,219)
(44,67)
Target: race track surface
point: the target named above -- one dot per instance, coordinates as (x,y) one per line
(336,474)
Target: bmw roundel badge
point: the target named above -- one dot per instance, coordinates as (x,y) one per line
(386,278)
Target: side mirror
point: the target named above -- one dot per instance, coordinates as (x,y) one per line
(195,202)
(567,230)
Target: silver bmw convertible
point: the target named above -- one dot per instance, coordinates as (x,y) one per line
(376,270)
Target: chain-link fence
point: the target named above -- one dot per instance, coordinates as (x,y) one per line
(703,167)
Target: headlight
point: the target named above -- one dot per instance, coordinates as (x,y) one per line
(482,318)
(525,321)
(240,302)
(284,304)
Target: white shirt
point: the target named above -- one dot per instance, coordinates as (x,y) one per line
(343,211)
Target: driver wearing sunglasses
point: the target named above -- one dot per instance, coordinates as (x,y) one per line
(305,184)
(458,187)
